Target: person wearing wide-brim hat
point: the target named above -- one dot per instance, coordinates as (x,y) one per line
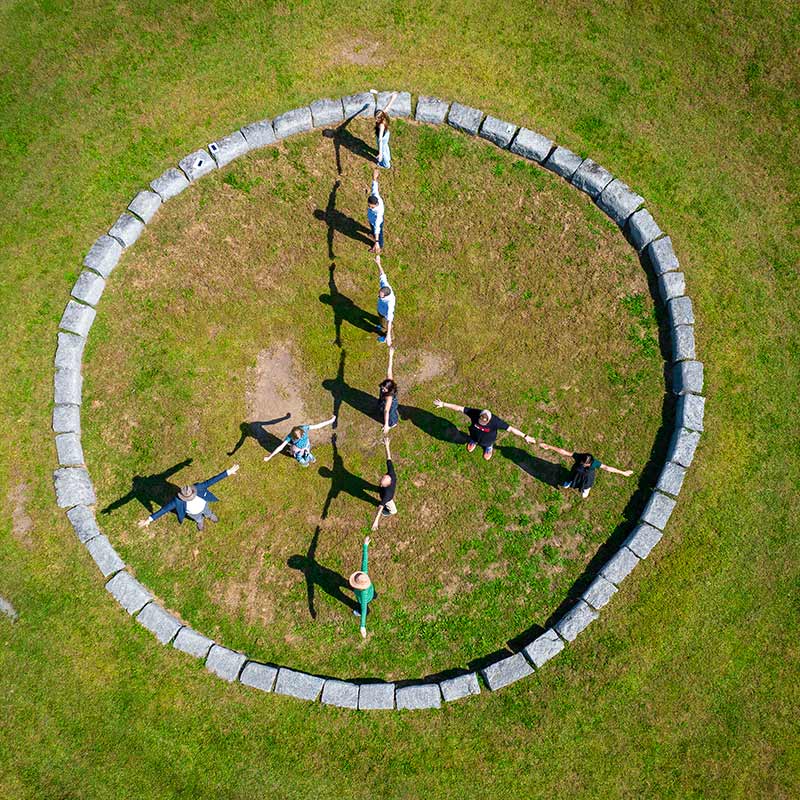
(193,501)
(362,587)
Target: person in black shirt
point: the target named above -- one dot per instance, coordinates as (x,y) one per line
(483,427)
(584,469)
(386,490)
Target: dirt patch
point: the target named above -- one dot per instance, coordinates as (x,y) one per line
(273,387)
(21,523)
(246,598)
(424,365)
(364,52)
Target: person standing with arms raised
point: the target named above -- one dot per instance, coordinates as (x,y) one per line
(584,469)
(386,489)
(375,209)
(362,587)
(384,158)
(386,304)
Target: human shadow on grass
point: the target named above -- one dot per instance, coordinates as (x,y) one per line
(345,310)
(152,491)
(317,575)
(344,481)
(343,137)
(544,471)
(433,425)
(338,221)
(342,392)
(255,430)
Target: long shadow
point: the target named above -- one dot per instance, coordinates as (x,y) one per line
(433,425)
(339,221)
(330,581)
(342,392)
(255,430)
(152,491)
(344,481)
(345,310)
(544,471)
(342,137)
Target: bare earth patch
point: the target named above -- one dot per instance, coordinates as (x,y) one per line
(21,523)
(364,52)
(272,388)
(423,365)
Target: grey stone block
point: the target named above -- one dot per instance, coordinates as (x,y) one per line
(229,147)
(465,118)
(417,696)
(683,342)
(83,523)
(687,377)
(171,183)
(591,178)
(690,412)
(642,539)
(375,696)
(69,351)
(460,686)
(67,385)
(291,122)
(326,112)
(497,131)
(191,642)
(340,693)
(563,162)
(259,134)
(197,164)
(225,663)
(77,318)
(544,647)
(432,110)
(599,592)
(128,592)
(507,671)
(67,419)
(671,284)
(73,487)
(401,106)
(127,229)
(682,447)
(619,202)
(643,229)
(298,684)
(575,620)
(619,566)
(69,450)
(105,556)
(89,288)
(359,105)
(671,479)
(662,256)
(680,311)
(658,510)
(145,205)
(259,676)
(163,625)
(103,255)
(532,145)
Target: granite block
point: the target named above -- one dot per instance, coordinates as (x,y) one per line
(191,642)
(359,105)
(680,311)
(465,118)
(575,620)
(670,285)
(77,318)
(591,178)
(89,288)
(642,539)
(259,676)
(83,523)
(544,647)
(128,592)
(69,351)
(662,256)
(690,412)
(432,110)
(563,162)
(326,112)
(225,663)
(259,134)
(531,145)
(619,202)
(687,377)
(459,686)
(417,696)
(497,131)
(229,147)
(683,343)
(671,479)
(67,386)
(340,693)
(145,205)
(171,183)
(599,592)
(127,229)
(73,487)
(509,670)
(681,448)
(105,556)
(298,684)
(197,164)
(163,625)
(103,255)
(291,122)
(67,419)
(643,229)
(658,510)
(401,106)
(374,696)
(69,450)
(619,566)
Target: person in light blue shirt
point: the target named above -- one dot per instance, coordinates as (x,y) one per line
(384,158)
(375,210)
(386,303)
(299,443)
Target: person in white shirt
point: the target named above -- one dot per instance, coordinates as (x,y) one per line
(375,209)
(386,303)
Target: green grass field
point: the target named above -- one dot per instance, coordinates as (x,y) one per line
(687,685)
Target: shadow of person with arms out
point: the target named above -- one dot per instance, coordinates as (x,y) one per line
(331,582)
(432,424)
(342,137)
(342,480)
(339,221)
(358,399)
(544,471)
(255,430)
(344,309)
(152,491)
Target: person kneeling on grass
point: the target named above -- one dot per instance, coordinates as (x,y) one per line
(386,489)
(299,443)
(484,427)
(362,588)
(193,501)
(584,470)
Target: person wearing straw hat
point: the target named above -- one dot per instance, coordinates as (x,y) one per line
(362,587)
(193,501)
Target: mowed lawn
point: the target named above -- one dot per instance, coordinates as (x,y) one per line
(687,685)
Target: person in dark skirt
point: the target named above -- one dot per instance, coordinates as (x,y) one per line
(387,398)
(584,469)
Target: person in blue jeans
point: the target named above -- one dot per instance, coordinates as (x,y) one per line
(300,443)
(375,209)
(384,158)
(386,303)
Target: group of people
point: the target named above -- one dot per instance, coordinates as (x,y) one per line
(194,501)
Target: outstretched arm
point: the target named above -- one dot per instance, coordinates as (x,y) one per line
(625,472)
(442,404)
(377,519)
(389,373)
(143,523)
(518,432)
(217,478)
(276,450)
(391,101)
(322,424)
(565,453)
(389,324)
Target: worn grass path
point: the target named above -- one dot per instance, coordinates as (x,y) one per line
(687,686)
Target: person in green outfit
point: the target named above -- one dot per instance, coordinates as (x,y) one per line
(362,588)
